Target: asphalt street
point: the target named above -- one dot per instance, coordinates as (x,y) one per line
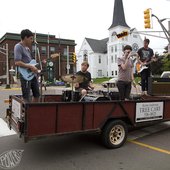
(146,149)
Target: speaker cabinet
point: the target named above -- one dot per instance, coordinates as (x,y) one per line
(159,86)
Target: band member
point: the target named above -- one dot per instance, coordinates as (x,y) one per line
(145,56)
(86,84)
(125,74)
(22,56)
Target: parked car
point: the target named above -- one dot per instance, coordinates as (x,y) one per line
(165,74)
(112,82)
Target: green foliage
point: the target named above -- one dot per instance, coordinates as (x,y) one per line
(156,67)
(137,79)
(100,80)
(166,63)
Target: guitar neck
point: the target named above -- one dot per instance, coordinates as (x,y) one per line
(149,62)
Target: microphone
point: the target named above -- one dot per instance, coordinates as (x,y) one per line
(133,53)
(35,42)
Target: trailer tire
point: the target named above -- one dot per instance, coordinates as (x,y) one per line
(114,134)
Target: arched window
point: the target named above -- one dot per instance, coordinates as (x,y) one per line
(85,55)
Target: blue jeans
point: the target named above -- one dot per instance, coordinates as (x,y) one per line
(124,88)
(145,74)
(27,86)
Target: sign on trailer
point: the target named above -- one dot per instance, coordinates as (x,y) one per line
(147,111)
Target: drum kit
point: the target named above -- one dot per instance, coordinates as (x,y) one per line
(71,95)
(100,95)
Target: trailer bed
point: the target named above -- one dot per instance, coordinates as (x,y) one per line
(52,116)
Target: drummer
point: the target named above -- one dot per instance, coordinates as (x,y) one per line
(86,84)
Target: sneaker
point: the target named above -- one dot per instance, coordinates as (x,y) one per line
(143,93)
(146,93)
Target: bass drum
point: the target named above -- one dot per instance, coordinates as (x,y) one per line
(114,95)
(66,95)
(77,96)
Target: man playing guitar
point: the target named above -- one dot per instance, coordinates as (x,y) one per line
(145,57)
(22,57)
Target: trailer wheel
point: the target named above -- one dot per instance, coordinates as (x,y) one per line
(114,134)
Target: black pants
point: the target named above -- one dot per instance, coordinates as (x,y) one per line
(29,85)
(124,88)
(145,74)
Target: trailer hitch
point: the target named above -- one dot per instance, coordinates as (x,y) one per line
(20,125)
(8,117)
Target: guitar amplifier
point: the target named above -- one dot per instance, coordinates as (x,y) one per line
(159,86)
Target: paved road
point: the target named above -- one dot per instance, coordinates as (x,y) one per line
(146,149)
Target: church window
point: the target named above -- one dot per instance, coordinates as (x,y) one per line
(99,73)
(115,48)
(115,58)
(111,49)
(85,56)
(111,59)
(100,59)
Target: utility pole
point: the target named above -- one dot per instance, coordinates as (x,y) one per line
(35,45)
(48,47)
(169,32)
(7,68)
(68,65)
(59,59)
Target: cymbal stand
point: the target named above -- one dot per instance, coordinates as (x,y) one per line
(108,87)
(72,83)
(108,90)
(41,74)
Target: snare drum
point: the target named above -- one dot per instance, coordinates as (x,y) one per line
(95,92)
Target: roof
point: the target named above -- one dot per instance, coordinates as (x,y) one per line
(41,38)
(118,15)
(98,46)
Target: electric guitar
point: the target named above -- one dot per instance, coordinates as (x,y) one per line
(140,67)
(26,73)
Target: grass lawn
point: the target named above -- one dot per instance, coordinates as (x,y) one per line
(100,80)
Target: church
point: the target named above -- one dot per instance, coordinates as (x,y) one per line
(102,54)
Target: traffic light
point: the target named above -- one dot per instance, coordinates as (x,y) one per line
(147,18)
(122,34)
(74,58)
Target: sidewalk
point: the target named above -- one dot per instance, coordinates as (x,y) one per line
(59,89)
(12,87)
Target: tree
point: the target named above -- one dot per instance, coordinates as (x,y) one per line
(156,67)
(166,63)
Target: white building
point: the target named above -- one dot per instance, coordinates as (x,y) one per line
(102,54)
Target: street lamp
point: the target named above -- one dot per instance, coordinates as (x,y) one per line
(166,32)
(12,73)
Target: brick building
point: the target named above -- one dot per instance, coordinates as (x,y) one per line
(47,45)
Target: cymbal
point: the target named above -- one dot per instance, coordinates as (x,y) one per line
(73,78)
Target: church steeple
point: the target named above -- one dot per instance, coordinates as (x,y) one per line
(118,15)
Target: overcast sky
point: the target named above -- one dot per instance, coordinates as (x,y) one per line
(76,19)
